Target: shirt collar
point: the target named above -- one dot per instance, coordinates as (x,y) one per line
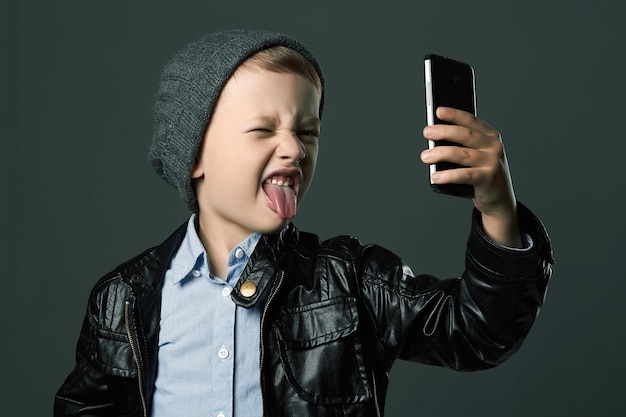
(192,255)
(247,246)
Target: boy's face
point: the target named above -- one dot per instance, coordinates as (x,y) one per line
(258,155)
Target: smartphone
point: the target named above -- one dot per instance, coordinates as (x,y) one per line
(448,83)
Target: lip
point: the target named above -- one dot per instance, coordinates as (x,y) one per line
(293,173)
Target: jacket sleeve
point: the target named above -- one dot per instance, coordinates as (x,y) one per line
(84,392)
(472,322)
(95,386)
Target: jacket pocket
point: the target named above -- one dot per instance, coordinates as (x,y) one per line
(114,354)
(321,353)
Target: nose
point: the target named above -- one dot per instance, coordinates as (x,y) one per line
(291,148)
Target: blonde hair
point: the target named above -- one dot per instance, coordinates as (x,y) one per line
(282,59)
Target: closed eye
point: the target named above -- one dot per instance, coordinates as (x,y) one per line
(308,133)
(262,131)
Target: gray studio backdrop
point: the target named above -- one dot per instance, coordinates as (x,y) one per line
(77,198)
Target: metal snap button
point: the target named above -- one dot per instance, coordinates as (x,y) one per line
(248,289)
(135,278)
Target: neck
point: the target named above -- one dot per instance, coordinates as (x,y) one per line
(219,239)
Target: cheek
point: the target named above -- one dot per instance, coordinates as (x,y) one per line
(222,176)
(308,168)
(310,162)
(311,150)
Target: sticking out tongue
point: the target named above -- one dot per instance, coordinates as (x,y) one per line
(281,200)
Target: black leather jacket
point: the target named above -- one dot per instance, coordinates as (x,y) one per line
(337,314)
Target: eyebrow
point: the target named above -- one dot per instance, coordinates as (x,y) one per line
(263,119)
(312,119)
(276,121)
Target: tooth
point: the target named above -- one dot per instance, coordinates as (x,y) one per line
(280,182)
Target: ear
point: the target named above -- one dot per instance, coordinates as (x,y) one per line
(198,170)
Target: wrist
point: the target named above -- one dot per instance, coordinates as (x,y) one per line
(502,227)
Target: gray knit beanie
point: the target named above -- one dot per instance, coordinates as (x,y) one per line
(189,87)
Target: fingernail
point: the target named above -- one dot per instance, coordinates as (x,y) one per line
(435,176)
(428,131)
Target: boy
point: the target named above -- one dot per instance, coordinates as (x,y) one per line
(240,314)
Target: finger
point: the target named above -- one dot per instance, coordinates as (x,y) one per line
(461,135)
(458,155)
(463,118)
(464,175)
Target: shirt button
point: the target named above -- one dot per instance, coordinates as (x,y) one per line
(226,291)
(223,353)
(239,253)
(196,273)
(220,415)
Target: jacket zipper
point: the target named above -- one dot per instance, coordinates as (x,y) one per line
(136,357)
(262,342)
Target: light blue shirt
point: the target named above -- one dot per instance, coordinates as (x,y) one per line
(208,359)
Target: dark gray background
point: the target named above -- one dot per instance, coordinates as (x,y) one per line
(77,196)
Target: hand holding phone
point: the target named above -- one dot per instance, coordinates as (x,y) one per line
(448,83)
(470,141)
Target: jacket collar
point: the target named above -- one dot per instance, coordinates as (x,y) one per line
(266,261)
(146,272)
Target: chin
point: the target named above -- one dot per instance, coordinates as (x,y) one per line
(273,226)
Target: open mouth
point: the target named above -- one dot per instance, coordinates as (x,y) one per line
(280,180)
(281,193)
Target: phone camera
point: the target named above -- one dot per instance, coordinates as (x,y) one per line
(456,78)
